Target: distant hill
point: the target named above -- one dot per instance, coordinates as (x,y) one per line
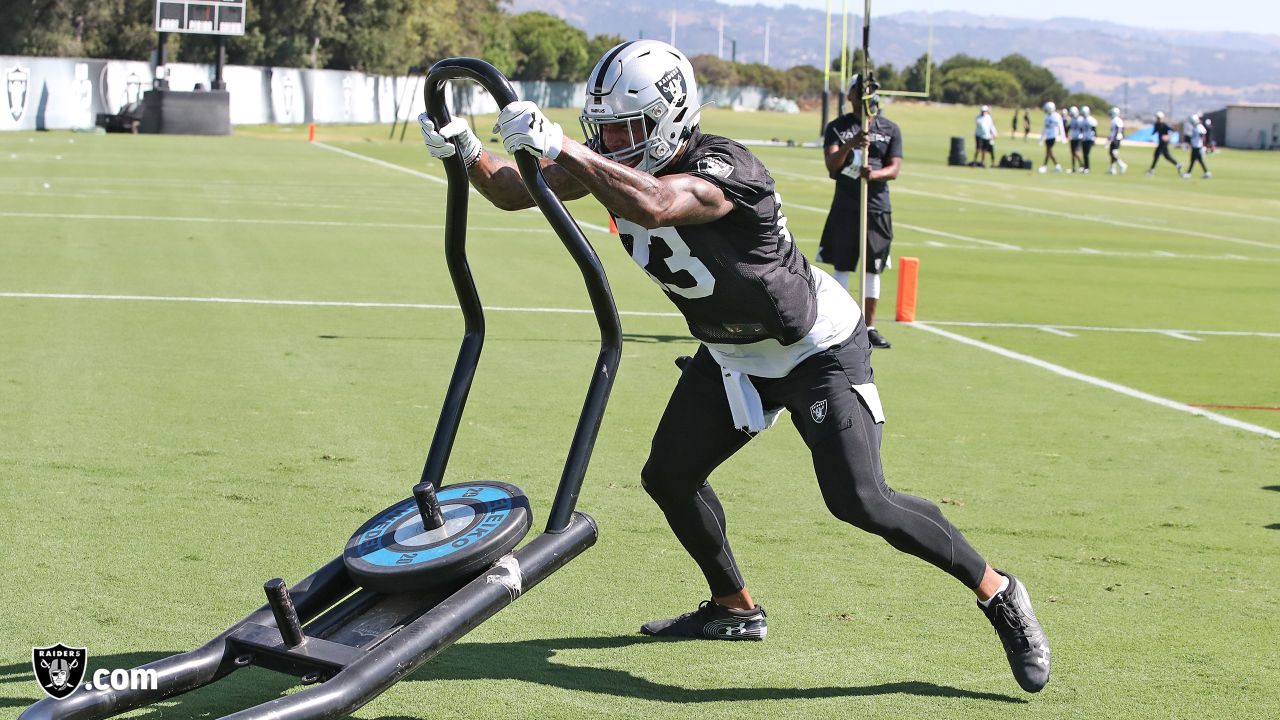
(1180,70)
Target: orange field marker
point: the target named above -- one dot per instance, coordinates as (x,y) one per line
(908,272)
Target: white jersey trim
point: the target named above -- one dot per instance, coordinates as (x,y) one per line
(838,317)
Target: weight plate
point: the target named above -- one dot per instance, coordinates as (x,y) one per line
(393,552)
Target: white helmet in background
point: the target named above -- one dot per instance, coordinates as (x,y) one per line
(647,80)
(1074,111)
(1159,114)
(1194,119)
(1115,112)
(986,108)
(1084,110)
(1049,107)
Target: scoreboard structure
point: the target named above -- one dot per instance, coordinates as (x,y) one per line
(205,17)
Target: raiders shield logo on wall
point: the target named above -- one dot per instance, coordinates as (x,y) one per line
(17,81)
(59,669)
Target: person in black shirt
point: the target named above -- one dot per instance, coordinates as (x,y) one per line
(850,153)
(1162,145)
(700,214)
(1026,123)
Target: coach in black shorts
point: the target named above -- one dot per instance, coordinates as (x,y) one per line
(700,215)
(881,145)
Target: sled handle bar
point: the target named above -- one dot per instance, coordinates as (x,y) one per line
(602,304)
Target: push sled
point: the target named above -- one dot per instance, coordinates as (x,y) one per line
(430,568)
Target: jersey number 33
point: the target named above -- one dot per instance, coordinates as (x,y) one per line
(666,258)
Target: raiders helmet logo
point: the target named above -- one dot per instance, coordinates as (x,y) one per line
(17,82)
(671,86)
(818,411)
(59,669)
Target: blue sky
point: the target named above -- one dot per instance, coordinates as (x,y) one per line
(1259,16)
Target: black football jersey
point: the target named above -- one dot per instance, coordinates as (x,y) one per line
(886,143)
(740,278)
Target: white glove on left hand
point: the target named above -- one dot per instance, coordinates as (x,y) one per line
(438,141)
(524,127)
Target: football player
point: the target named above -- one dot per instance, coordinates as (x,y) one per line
(851,153)
(700,215)
(1162,132)
(1195,137)
(1053,131)
(1114,139)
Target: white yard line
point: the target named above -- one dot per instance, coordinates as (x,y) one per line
(312,303)
(954,236)
(1101,198)
(1099,382)
(249,221)
(1041,211)
(1092,328)
(1087,218)
(426,176)
(1065,330)
(1055,251)
(382,163)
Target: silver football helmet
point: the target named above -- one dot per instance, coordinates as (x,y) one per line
(649,81)
(1049,107)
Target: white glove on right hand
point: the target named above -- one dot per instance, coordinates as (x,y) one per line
(438,141)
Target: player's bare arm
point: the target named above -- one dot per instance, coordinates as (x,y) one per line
(837,154)
(498,180)
(495,177)
(884,174)
(642,198)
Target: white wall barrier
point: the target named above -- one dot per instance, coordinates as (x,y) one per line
(62,93)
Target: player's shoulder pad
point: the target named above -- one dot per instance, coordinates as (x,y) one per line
(728,165)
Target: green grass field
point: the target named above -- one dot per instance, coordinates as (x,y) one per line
(162,454)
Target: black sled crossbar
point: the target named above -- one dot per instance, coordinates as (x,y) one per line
(347,643)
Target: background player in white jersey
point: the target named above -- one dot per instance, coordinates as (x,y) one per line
(699,213)
(984,135)
(1113,142)
(1195,136)
(1050,135)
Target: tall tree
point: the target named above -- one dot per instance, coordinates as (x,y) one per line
(548,48)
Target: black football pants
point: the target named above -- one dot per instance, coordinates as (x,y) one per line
(696,434)
(1162,151)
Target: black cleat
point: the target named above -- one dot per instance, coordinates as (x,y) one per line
(877,340)
(1024,640)
(712,622)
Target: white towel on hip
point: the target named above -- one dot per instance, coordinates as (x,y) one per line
(749,414)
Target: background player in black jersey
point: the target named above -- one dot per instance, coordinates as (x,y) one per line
(1162,131)
(699,213)
(876,155)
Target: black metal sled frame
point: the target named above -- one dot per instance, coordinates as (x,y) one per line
(348,643)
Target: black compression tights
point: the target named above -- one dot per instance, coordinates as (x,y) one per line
(696,435)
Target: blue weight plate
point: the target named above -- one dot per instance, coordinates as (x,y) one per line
(393,552)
